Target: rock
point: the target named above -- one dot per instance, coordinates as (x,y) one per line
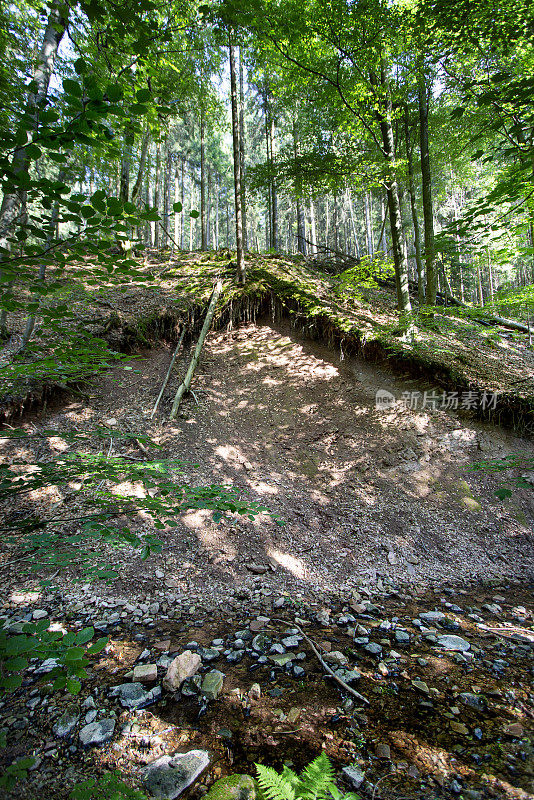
(39,613)
(421,686)
(432,616)
(261,643)
(291,642)
(354,776)
(373,648)
(254,692)
(473,700)
(183,666)
(208,654)
(97,733)
(455,643)
(458,727)
(134,695)
(402,637)
(212,684)
(169,776)
(335,657)
(66,723)
(258,569)
(383,751)
(234,787)
(145,673)
(515,729)
(282,659)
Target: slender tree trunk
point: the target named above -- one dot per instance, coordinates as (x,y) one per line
(241,273)
(426,183)
(124,189)
(177,217)
(335,225)
(242,152)
(142,163)
(395,215)
(313,230)
(202,178)
(274,193)
(268,215)
(413,207)
(167,193)
(353,225)
(327,221)
(182,200)
(368,226)
(157,194)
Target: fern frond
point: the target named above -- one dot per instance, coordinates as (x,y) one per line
(317,779)
(273,785)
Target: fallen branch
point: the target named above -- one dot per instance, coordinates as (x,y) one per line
(168,375)
(325,666)
(186,383)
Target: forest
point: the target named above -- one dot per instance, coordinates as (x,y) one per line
(266,399)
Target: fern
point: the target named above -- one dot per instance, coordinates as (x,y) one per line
(315,782)
(274,786)
(317,778)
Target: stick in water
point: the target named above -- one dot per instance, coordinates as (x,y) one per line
(168,375)
(186,383)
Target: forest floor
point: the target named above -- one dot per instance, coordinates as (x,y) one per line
(384,519)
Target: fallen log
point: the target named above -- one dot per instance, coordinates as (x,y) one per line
(168,375)
(186,383)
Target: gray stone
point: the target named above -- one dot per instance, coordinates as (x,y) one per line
(432,616)
(212,684)
(354,776)
(455,643)
(145,673)
(183,666)
(134,695)
(335,657)
(66,723)
(291,642)
(97,733)
(473,700)
(169,776)
(373,648)
(281,659)
(40,613)
(402,637)
(208,654)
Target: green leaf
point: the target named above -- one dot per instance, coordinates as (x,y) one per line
(73,686)
(72,88)
(194,214)
(85,636)
(177,207)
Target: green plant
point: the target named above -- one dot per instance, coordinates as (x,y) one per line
(522,462)
(36,641)
(96,480)
(16,771)
(109,786)
(315,782)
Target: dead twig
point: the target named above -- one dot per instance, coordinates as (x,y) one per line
(325,666)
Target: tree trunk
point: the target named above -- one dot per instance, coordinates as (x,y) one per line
(242,152)
(313,230)
(274,193)
(426,184)
(202,178)
(395,216)
(156,194)
(142,162)
(353,225)
(241,274)
(368,226)
(415,216)
(177,217)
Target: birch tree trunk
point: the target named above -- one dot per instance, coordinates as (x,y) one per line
(415,216)
(156,194)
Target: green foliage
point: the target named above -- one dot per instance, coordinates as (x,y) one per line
(15,772)
(37,641)
(151,487)
(315,782)
(505,464)
(363,276)
(109,786)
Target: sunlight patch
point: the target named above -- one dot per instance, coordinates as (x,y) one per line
(294,565)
